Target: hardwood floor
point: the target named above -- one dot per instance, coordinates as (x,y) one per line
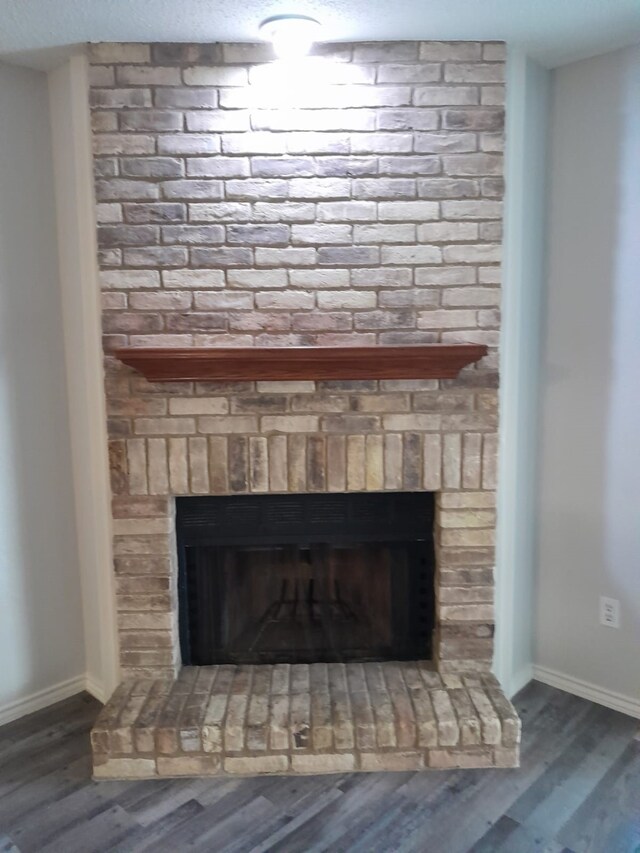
(578,790)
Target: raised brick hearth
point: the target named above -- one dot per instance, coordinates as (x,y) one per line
(322,718)
(362,208)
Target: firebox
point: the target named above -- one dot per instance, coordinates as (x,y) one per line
(305,578)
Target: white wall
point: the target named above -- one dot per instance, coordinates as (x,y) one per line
(523,287)
(589,537)
(41,631)
(73,171)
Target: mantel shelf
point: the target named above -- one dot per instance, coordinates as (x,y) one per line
(431,361)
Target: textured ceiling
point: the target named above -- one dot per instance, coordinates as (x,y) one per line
(552,31)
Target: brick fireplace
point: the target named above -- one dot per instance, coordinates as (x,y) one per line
(355,202)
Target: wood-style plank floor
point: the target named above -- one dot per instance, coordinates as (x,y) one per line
(578,790)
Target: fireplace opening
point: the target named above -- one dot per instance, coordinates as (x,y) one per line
(305,578)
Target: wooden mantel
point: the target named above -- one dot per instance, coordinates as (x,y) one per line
(431,361)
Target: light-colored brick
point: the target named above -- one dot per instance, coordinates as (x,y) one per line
(323,763)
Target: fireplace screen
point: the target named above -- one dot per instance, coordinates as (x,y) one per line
(305,578)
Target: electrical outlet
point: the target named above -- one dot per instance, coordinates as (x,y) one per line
(609,612)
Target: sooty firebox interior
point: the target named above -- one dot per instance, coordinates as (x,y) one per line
(305,578)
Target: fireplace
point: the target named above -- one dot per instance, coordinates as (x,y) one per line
(322,632)
(305,578)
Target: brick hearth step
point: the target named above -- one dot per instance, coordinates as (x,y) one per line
(304,719)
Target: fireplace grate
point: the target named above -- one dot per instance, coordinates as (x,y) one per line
(305,578)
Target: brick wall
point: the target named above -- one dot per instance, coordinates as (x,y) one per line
(359,204)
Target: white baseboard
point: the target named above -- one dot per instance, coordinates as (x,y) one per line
(49,696)
(95,688)
(518,681)
(585,690)
(41,699)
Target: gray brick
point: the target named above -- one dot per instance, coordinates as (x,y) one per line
(102,76)
(451,51)
(473,119)
(402,255)
(154,120)
(474,72)
(264,211)
(347,211)
(445,142)
(201,75)
(408,119)
(118,189)
(105,167)
(193,278)
(319,188)
(397,233)
(381,143)
(188,144)
(320,234)
(180,98)
(224,301)
(348,255)
(151,167)
(257,188)
(218,167)
(445,232)
(426,72)
(117,52)
(128,235)
(419,165)
(193,189)
(224,257)
(381,277)
(384,320)
(472,209)
(440,188)
(232,211)
(386,52)
(417,211)
(218,121)
(120,98)
(473,164)
(290,299)
(493,96)
(319,278)
(257,279)
(196,321)
(492,187)
(156,256)
(108,213)
(140,214)
(318,143)
(349,300)
(443,276)
(445,96)
(189,234)
(285,257)
(384,188)
(278,167)
(258,235)
(495,51)
(346,167)
(480,254)
(123,143)
(168,53)
(409,298)
(129,279)
(147,75)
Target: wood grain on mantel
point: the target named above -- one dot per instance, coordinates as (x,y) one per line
(431,361)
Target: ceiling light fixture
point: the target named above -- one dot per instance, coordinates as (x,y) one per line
(291,35)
